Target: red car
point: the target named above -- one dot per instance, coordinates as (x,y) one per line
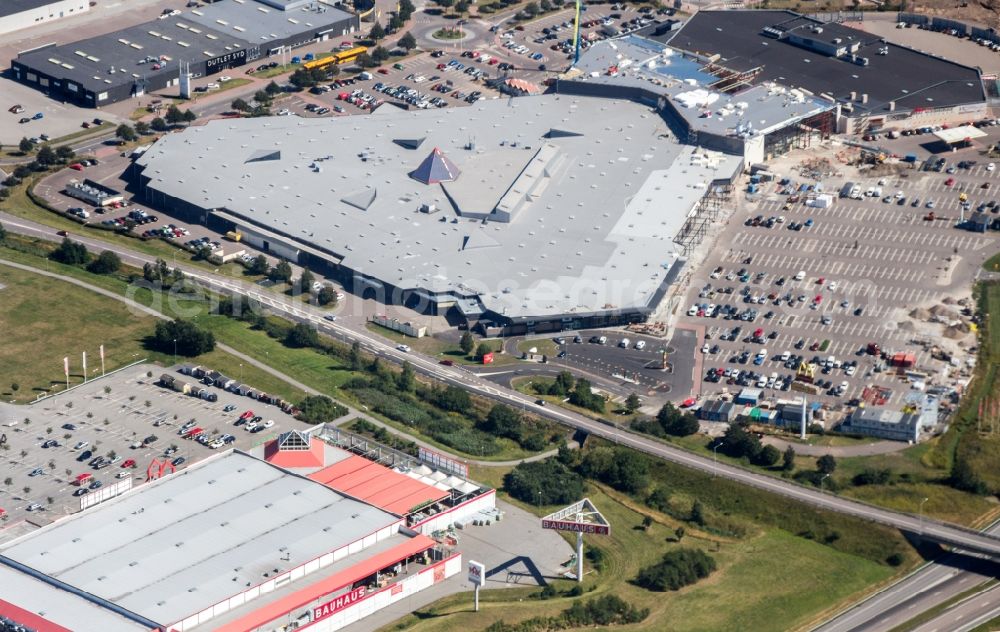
(689,402)
(383,71)
(949,182)
(76,166)
(129,463)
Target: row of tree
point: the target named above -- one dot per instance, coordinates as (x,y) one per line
(678,568)
(74,253)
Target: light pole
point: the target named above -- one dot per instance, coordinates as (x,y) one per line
(715,457)
(921,510)
(241,371)
(175,350)
(825,476)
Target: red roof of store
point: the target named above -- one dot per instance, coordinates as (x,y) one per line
(29,619)
(328,585)
(378,485)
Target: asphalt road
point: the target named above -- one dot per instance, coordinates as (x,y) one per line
(954,535)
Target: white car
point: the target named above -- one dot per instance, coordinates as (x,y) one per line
(991,167)
(640,345)
(215,445)
(832,286)
(81,445)
(124,474)
(225,78)
(34,507)
(403,348)
(284,112)
(704,348)
(801,275)
(692,311)
(268,423)
(250,426)
(851,370)
(419,79)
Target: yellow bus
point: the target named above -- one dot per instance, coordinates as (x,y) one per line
(339,57)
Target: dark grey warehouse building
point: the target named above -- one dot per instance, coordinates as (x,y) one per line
(137,60)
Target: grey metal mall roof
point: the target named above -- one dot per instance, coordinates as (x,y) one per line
(582,197)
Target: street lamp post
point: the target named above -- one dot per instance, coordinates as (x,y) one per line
(175,350)
(715,457)
(825,476)
(921,510)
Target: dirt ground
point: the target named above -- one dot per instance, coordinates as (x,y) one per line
(985,12)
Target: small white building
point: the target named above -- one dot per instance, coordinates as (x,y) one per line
(21,14)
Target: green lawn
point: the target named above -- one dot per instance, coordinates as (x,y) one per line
(442,349)
(88,321)
(769,581)
(541,345)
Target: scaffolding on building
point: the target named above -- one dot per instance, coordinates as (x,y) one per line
(710,209)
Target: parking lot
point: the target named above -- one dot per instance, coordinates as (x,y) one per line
(824,282)
(129,419)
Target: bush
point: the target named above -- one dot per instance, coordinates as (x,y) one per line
(547,482)
(872,477)
(106,263)
(678,568)
(70,253)
(319,409)
(676,423)
(301,336)
(584,397)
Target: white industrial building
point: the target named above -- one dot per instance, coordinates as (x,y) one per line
(21,14)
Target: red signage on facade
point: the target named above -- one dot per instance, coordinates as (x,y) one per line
(439,573)
(396,589)
(339,603)
(488,358)
(578,527)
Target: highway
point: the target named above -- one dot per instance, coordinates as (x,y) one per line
(966,539)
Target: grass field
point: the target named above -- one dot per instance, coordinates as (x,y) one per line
(542,345)
(744,594)
(83,321)
(441,349)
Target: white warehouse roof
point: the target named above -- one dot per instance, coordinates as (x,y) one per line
(172,548)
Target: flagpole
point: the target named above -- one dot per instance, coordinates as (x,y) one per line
(84,367)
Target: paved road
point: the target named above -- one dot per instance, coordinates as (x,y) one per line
(864,449)
(941,532)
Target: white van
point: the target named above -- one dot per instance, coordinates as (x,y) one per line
(624,343)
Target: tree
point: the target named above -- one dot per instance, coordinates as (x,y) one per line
(632,403)
(190,116)
(444,4)
(396,22)
(70,253)
(280,272)
(354,358)
(380,54)
(697,514)
(467,342)
(258,265)
(327,295)
(531,8)
(239,105)
(562,385)
(272,89)
(377,32)
(365,61)
(317,409)
(46,156)
(826,464)
(190,339)
(462,6)
(679,533)
(547,482)
(739,443)
(545,5)
(768,456)
(483,349)
(65,153)
(263,97)
(406,380)
(302,335)
(584,396)
(141,127)
(158,125)
(407,41)
(502,421)
(106,263)
(126,133)
(788,459)
(15,387)
(174,115)
(25,145)
(622,469)
(3,233)
(406,9)
(306,280)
